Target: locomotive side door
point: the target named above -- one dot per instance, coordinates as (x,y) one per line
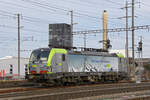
(59,63)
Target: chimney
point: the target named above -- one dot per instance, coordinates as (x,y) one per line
(105,22)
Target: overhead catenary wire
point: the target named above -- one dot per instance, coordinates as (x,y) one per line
(24,29)
(27,18)
(64,10)
(116,3)
(32,19)
(55,7)
(87,3)
(17,5)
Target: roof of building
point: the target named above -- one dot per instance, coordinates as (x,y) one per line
(11,57)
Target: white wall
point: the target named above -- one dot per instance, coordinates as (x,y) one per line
(6,61)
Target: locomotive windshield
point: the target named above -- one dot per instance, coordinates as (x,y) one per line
(39,56)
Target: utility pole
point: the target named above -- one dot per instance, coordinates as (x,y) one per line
(71,25)
(133,62)
(140,64)
(127,50)
(18,15)
(127,41)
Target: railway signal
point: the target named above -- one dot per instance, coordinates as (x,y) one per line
(108,44)
(26,69)
(11,69)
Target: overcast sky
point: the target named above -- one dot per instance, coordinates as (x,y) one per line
(37,14)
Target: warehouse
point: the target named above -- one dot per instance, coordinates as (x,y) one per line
(9,66)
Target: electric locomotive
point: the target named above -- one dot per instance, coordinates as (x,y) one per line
(63,66)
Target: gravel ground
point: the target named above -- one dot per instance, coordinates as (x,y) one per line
(119,96)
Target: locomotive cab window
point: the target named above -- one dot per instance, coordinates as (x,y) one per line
(63,57)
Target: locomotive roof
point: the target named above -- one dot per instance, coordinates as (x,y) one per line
(46,49)
(92,53)
(76,52)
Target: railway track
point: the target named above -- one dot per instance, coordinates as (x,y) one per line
(24,83)
(27,87)
(10,84)
(72,92)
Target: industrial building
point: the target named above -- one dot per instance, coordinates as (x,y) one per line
(60,35)
(9,66)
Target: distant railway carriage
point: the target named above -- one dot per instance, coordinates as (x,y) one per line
(56,65)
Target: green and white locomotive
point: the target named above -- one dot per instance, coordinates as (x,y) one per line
(62,66)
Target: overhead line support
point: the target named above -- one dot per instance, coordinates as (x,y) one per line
(112,30)
(18,15)
(133,56)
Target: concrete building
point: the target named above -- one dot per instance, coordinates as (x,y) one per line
(8,62)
